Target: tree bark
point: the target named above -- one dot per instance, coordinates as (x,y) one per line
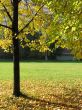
(16,89)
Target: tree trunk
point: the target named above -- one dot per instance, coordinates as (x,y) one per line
(16,89)
(46,55)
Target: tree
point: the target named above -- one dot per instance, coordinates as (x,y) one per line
(56,19)
(14,34)
(16,91)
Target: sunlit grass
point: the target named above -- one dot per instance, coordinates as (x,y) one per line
(51,71)
(46,86)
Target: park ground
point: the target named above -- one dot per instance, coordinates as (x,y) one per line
(44,86)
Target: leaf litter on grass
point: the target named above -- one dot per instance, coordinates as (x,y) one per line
(42,95)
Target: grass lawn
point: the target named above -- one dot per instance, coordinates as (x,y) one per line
(47,85)
(43,71)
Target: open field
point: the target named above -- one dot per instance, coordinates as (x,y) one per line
(52,71)
(45,86)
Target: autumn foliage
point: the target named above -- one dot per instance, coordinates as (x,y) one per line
(56,20)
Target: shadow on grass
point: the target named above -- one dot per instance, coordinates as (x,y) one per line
(52,61)
(45,104)
(64,98)
(42,61)
(27,102)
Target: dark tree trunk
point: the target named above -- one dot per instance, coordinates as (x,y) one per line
(16,89)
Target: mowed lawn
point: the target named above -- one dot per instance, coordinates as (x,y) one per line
(52,71)
(45,86)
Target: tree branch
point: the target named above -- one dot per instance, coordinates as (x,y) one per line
(6,26)
(29,22)
(19,0)
(7,12)
(11,2)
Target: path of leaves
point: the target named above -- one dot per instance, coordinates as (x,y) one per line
(41,96)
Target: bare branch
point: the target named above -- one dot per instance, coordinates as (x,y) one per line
(29,21)
(6,26)
(7,12)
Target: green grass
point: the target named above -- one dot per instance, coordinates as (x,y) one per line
(40,91)
(53,71)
